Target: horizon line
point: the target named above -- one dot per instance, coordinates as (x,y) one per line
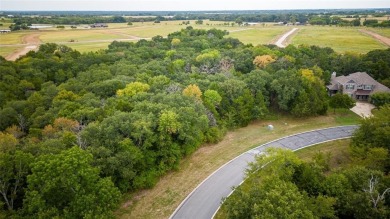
(290,9)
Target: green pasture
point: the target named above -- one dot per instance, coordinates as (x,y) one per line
(88,47)
(260,35)
(4,51)
(77,35)
(5,25)
(151,29)
(382,31)
(341,39)
(13,37)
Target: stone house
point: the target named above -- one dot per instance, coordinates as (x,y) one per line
(359,85)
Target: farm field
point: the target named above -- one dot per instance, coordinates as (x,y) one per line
(76,35)
(88,47)
(4,51)
(86,40)
(340,39)
(260,35)
(14,37)
(382,31)
(161,201)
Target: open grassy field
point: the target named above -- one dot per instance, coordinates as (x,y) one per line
(14,37)
(88,47)
(259,35)
(94,39)
(162,200)
(77,35)
(341,39)
(339,156)
(4,51)
(382,31)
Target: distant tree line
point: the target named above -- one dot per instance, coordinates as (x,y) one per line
(77,130)
(314,17)
(69,20)
(339,21)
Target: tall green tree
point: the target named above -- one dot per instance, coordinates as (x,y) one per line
(341,101)
(66,185)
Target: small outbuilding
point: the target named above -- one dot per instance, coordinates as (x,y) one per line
(99,25)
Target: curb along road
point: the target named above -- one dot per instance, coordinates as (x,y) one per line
(204,201)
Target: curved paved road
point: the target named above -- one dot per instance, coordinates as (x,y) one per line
(205,200)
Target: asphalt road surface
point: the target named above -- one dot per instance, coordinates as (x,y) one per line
(205,200)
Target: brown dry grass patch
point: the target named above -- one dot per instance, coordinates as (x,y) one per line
(162,200)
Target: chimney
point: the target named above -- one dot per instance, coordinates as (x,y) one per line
(333,75)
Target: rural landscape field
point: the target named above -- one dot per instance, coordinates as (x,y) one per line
(194,109)
(341,39)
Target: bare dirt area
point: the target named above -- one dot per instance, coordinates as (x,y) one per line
(378,37)
(31,41)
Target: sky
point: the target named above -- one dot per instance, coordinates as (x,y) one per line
(184,5)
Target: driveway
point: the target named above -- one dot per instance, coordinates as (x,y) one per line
(363,109)
(205,200)
(282,41)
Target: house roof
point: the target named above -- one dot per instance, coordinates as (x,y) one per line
(360,78)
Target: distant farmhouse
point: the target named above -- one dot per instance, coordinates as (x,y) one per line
(359,85)
(99,25)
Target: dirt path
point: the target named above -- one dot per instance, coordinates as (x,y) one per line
(378,37)
(282,41)
(31,41)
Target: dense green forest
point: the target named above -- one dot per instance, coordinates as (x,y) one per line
(280,185)
(78,130)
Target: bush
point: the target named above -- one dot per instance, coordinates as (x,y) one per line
(379,99)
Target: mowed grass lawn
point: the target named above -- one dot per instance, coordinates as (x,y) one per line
(338,150)
(340,39)
(162,200)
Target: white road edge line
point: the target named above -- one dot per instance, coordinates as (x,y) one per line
(215,213)
(182,203)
